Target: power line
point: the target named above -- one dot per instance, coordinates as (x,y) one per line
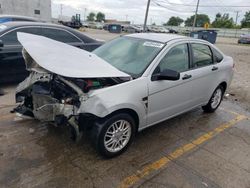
(188,5)
(174,10)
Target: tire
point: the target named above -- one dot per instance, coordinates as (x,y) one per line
(215,100)
(106,140)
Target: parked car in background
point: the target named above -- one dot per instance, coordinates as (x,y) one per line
(153,29)
(172,31)
(99,25)
(15,18)
(85,24)
(105,26)
(132,29)
(163,30)
(12,66)
(124,86)
(244,39)
(157,29)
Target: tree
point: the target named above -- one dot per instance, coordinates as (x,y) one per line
(246,20)
(223,21)
(100,17)
(91,17)
(200,20)
(175,21)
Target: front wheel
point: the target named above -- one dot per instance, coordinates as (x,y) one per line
(114,135)
(215,100)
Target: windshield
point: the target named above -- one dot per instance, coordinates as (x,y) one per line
(128,54)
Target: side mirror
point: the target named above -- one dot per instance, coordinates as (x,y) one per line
(1,44)
(166,75)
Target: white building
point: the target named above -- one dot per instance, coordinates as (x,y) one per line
(40,9)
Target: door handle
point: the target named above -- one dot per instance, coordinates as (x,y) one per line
(186,76)
(214,68)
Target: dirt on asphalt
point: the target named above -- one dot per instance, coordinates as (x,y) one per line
(240,87)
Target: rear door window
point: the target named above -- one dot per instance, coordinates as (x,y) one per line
(202,55)
(218,57)
(60,35)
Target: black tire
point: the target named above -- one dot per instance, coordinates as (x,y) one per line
(99,131)
(209,107)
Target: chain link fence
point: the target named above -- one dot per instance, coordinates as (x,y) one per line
(221,32)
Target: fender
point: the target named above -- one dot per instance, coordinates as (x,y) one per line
(108,100)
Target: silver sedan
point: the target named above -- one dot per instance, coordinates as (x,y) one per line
(124,86)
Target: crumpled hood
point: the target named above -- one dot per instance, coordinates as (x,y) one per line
(66,60)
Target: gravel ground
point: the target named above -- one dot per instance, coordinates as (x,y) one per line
(240,88)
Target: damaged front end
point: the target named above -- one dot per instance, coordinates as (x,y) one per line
(48,98)
(60,79)
(53,98)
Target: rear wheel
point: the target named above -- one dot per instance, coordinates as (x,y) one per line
(215,100)
(113,136)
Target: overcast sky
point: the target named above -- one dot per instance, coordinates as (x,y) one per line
(134,10)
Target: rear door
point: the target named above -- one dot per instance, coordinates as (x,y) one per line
(205,73)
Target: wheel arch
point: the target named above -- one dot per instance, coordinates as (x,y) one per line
(129,111)
(224,85)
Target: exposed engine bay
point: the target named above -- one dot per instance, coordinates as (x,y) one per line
(53,98)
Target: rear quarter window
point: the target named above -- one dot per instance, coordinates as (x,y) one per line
(218,57)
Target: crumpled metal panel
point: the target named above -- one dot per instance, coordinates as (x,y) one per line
(46,108)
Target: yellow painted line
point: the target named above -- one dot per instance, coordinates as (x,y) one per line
(162,162)
(230,111)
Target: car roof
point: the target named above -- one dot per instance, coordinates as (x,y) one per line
(16,24)
(27,23)
(159,37)
(17,16)
(12,25)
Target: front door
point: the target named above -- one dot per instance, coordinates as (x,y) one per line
(169,98)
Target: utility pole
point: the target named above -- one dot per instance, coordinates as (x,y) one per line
(85,11)
(237,16)
(146,17)
(195,16)
(61,9)
(236,20)
(126,17)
